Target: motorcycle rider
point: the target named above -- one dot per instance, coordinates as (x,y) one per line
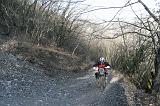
(101,64)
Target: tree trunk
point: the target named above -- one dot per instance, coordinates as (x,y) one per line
(157,63)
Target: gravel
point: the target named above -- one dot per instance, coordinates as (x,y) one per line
(23,84)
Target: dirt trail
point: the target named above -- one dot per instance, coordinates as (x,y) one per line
(22,84)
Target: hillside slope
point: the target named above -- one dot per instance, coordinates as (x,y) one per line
(47,58)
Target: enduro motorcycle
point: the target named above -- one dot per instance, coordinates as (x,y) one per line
(102,76)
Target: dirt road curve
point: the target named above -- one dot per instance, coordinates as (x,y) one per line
(22,84)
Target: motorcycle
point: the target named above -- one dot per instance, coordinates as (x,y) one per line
(102,76)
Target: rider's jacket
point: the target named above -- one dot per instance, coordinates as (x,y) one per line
(101,65)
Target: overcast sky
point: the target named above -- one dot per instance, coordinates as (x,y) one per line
(108,14)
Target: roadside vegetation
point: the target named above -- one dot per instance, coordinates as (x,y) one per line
(38,31)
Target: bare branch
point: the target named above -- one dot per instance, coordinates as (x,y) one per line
(105,8)
(150,13)
(120,35)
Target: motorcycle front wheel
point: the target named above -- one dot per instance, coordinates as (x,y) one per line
(101,82)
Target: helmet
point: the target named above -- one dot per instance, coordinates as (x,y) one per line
(102,59)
